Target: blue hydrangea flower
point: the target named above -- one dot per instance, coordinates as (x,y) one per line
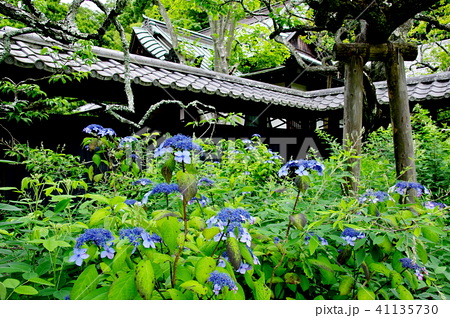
(179,143)
(142,181)
(138,235)
(321,239)
(127,141)
(402,188)
(93,129)
(203,201)
(432,205)
(374,196)
(183,156)
(132,202)
(409,263)
(101,237)
(300,168)
(161,188)
(256,136)
(351,235)
(106,132)
(243,267)
(232,220)
(205,181)
(79,254)
(221,280)
(247,141)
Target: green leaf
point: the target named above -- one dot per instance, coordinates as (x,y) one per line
(404,293)
(298,220)
(261,291)
(168,168)
(97,159)
(360,256)
(209,233)
(11,283)
(51,244)
(346,285)
(85,283)
(98,216)
(123,288)
(40,281)
(61,205)
(421,252)
(380,268)
(26,290)
(176,294)
(203,269)
(292,278)
(430,233)
(233,252)
(195,287)
(396,279)
(145,279)
(2,291)
(8,207)
(98,294)
(169,229)
(365,294)
(187,183)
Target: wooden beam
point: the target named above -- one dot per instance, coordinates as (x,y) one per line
(373,52)
(400,115)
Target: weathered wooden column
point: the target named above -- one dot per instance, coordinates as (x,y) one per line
(355,55)
(400,114)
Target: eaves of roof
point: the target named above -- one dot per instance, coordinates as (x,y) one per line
(26,52)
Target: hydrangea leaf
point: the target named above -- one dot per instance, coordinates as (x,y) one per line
(85,283)
(169,229)
(404,293)
(195,287)
(187,183)
(396,279)
(262,292)
(346,285)
(298,220)
(123,288)
(246,255)
(98,216)
(168,168)
(302,183)
(209,233)
(292,278)
(233,252)
(98,294)
(380,268)
(145,279)
(365,294)
(176,294)
(204,267)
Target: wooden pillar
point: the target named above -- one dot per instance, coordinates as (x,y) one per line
(400,115)
(353,106)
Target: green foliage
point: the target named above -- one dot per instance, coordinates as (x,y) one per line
(290,246)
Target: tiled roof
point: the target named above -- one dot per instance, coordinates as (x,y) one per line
(26,52)
(154,37)
(420,88)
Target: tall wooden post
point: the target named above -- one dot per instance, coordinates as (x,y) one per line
(400,115)
(353,106)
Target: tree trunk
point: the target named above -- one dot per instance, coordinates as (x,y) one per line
(400,116)
(353,105)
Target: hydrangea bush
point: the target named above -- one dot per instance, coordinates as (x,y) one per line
(197,220)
